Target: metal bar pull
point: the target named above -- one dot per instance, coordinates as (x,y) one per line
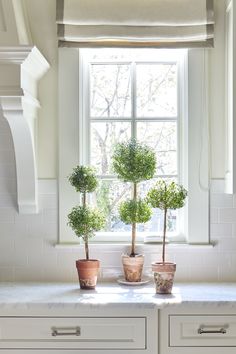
(203,330)
(65,331)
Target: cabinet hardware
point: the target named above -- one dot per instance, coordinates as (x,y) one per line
(65,331)
(202,330)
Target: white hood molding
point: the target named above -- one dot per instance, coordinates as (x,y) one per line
(21,67)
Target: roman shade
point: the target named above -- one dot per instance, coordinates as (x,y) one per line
(138,23)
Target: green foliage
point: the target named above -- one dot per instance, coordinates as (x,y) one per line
(83,178)
(85,221)
(167,195)
(134,162)
(135,211)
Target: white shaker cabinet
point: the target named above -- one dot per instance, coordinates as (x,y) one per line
(61,319)
(198,329)
(90,331)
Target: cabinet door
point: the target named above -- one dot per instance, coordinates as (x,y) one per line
(73,333)
(202,331)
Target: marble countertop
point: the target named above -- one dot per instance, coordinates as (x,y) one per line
(52,295)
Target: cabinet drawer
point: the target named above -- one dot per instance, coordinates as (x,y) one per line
(202,331)
(73,333)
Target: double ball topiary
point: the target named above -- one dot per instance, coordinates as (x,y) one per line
(84,220)
(134,162)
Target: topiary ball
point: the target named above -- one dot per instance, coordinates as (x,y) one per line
(133,161)
(84,179)
(132,211)
(84,221)
(166,195)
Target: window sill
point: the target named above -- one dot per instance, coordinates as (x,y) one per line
(122,245)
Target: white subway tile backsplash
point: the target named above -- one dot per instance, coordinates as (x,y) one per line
(227,215)
(50,216)
(47,186)
(27,251)
(220,230)
(234,230)
(7,274)
(222,200)
(8,186)
(217,186)
(203,273)
(8,200)
(7,170)
(48,201)
(7,215)
(29,273)
(214,215)
(6,155)
(229,244)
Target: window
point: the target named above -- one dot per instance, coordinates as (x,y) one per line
(189,115)
(132,93)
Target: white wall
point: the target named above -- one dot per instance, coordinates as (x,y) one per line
(42,22)
(27,249)
(216,71)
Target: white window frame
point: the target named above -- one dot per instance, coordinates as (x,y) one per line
(194,130)
(164,57)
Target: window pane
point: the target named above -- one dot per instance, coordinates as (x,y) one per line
(104,135)
(108,196)
(155,224)
(110,193)
(157,90)
(162,137)
(110,91)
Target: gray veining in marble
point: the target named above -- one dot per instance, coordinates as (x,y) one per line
(56,295)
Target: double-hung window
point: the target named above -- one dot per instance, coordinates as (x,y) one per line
(133,93)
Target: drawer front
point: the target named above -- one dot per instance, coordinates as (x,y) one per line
(73,333)
(202,331)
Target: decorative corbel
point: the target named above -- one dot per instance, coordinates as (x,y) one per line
(22,67)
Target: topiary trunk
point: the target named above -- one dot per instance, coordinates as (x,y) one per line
(132,254)
(164,237)
(86,239)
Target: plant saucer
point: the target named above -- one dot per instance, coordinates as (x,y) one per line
(144,281)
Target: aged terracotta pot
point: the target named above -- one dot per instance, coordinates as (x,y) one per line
(87,272)
(133,267)
(164,276)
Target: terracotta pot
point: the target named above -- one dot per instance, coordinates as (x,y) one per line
(133,267)
(87,272)
(164,276)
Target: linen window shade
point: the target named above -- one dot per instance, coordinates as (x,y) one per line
(137,23)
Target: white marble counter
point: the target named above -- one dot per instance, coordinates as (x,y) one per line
(54,295)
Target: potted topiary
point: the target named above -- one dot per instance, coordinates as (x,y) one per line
(84,221)
(134,162)
(165,196)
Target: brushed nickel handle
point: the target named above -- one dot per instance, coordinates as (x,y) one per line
(65,331)
(202,330)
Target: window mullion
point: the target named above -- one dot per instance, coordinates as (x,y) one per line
(87,121)
(133,100)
